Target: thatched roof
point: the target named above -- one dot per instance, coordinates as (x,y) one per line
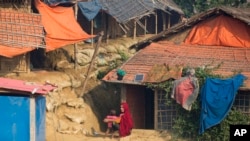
(125,10)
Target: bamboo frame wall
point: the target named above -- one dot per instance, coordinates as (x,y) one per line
(164,114)
(21,63)
(18,29)
(18,64)
(242,102)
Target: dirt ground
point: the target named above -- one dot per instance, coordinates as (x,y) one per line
(137,135)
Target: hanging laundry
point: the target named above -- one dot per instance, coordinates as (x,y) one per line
(186,89)
(60,26)
(90,8)
(217,98)
(59,2)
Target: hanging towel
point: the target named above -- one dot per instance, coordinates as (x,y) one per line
(217,98)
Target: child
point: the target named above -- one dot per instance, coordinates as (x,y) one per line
(112,116)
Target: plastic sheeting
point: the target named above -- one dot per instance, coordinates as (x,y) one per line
(217,98)
(11,52)
(21,85)
(221,31)
(57,2)
(15,117)
(90,9)
(40,118)
(60,25)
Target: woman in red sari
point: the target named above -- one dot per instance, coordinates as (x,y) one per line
(125,121)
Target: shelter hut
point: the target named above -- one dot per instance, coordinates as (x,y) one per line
(119,18)
(187,44)
(30,28)
(21,32)
(23,108)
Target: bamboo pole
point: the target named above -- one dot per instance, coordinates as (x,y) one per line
(92,32)
(155,109)
(156,23)
(28,3)
(169,22)
(75,45)
(145,26)
(164,21)
(27,55)
(92,61)
(32,119)
(107,27)
(134,29)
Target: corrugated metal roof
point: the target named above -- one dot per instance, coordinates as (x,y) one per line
(24,86)
(230,59)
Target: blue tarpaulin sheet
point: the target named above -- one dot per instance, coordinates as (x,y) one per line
(15,117)
(217,98)
(40,117)
(90,9)
(57,2)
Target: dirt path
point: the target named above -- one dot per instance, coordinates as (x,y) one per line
(137,135)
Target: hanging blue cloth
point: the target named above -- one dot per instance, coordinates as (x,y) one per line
(58,2)
(90,9)
(217,98)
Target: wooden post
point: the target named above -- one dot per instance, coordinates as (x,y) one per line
(145,24)
(169,21)
(156,23)
(28,3)
(107,27)
(92,61)
(155,109)
(32,119)
(123,93)
(92,32)
(134,29)
(27,55)
(163,21)
(27,60)
(75,45)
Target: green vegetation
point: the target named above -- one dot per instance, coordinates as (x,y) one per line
(114,64)
(191,7)
(124,56)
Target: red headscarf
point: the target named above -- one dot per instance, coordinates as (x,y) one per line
(126,123)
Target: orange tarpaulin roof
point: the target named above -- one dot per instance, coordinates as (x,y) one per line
(60,25)
(221,31)
(13,51)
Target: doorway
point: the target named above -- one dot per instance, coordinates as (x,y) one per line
(141,102)
(149,108)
